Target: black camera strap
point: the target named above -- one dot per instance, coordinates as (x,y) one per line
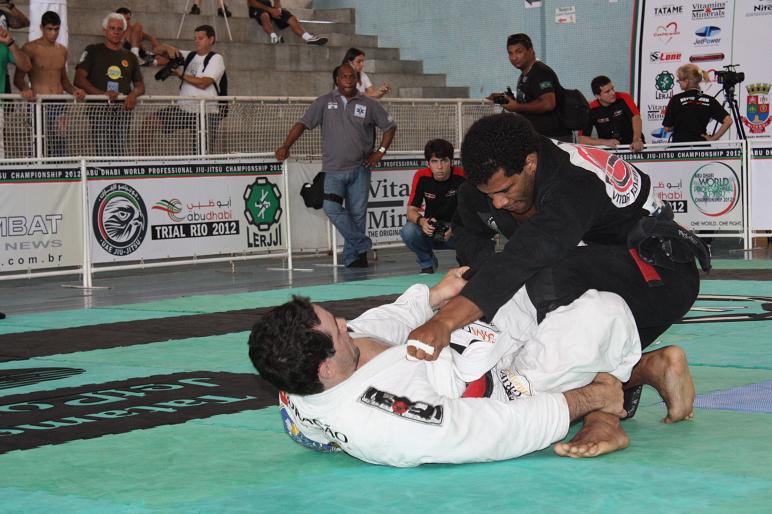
(189,59)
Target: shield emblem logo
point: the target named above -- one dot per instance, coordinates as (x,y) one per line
(757,108)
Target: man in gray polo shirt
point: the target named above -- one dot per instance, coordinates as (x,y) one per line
(348,121)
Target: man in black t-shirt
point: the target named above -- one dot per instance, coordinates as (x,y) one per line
(614,115)
(537,90)
(107,69)
(436,187)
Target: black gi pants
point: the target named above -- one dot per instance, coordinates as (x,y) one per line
(612,268)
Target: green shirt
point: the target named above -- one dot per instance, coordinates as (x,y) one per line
(5,57)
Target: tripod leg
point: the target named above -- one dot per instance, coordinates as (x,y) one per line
(182,21)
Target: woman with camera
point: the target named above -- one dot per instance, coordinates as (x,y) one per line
(356,58)
(688,113)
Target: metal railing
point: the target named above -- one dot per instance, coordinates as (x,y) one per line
(57,126)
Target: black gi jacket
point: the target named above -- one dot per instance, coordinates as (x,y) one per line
(573,204)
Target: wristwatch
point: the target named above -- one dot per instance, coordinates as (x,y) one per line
(382,149)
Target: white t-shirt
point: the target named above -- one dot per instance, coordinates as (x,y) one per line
(365,82)
(214,70)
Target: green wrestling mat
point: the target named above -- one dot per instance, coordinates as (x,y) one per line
(179,424)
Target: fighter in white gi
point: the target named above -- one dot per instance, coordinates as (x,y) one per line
(362,395)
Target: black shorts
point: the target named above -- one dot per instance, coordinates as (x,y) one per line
(282,23)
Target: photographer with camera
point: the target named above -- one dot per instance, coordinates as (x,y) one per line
(537,90)
(687,114)
(437,188)
(202,74)
(108,69)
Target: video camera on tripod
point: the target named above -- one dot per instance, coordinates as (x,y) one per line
(730,77)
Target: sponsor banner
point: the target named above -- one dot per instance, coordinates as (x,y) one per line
(670,34)
(704,187)
(40,218)
(390,185)
(761,185)
(389,193)
(752,35)
(187,209)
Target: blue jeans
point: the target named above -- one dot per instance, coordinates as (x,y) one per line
(422,245)
(351,221)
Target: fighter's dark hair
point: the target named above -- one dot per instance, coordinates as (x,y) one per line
(286,348)
(438,148)
(123,10)
(206,28)
(598,82)
(520,39)
(500,141)
(50,18)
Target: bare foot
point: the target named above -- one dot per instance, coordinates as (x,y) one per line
(668,372)
(601,433)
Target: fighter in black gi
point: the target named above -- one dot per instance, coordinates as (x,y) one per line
(576,218)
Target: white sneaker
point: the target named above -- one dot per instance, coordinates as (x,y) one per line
(316,40)
(275,40)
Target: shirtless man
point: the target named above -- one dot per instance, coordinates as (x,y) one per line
(48,76)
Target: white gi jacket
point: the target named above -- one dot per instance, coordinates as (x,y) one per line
(403,412)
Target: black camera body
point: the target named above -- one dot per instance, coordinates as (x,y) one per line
(504,99)
(729,77)
(440,227)
(165,72)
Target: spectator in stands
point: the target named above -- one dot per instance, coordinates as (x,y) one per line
(48,76)
(202,75)
(107,69)
(221,11)
(9,53)
(133,38)
(14,18)
(436,187)
(615,117)
(271,16)
(687,114)
(356,58)
(348,121)
(537,90)
(36,10)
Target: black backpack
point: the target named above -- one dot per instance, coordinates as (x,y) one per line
(574,109)
(221,88)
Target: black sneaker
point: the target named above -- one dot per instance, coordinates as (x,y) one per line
(224,13)
(360,262)
(195,9)
(427,271)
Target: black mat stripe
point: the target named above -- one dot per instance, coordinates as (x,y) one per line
(25,345)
